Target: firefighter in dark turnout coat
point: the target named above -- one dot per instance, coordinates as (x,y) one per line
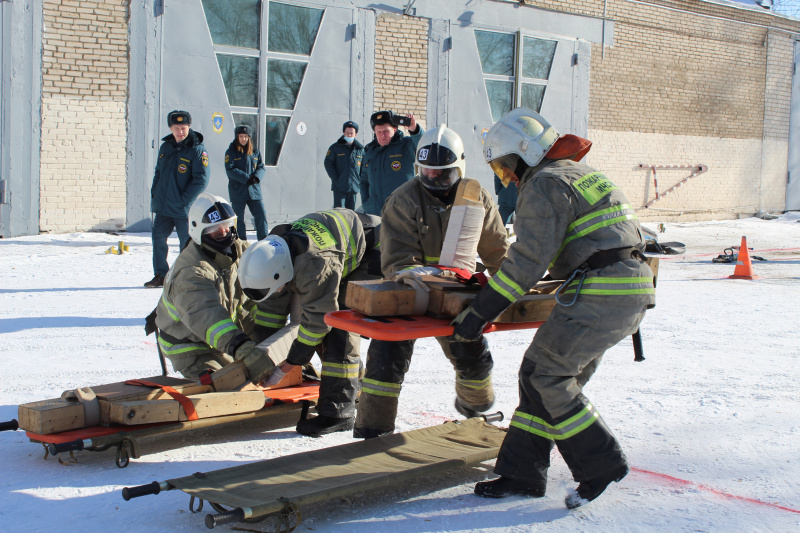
(573,221)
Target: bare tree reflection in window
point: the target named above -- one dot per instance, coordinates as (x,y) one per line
(283,82)
(240,76)
(274,135)
(292,29)
(233,22)
(537,57)
(532,96)
(501,95)
(496,51)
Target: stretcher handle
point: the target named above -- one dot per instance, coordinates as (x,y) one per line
(229,517)
(638,349)
(141,490)
(71,446)
(11,425)
(494,417)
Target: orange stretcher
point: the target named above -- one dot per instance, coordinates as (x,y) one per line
(125,438)
(400,328)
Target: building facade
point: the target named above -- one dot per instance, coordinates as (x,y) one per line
(658,83)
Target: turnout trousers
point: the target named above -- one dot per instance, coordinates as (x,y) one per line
(563,356)
(388,362)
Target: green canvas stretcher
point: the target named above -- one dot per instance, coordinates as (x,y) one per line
(280,486)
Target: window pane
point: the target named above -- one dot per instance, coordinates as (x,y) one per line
(240,75)
(233,22)
(532,96)
(500,97)
(274,136)
(537,57)
(496,51)
(250,120)
(283,82)
(292,29)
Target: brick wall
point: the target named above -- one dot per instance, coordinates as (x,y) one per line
(401,65)
(84,98)
(689,82)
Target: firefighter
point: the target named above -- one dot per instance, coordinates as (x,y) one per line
(413,225)
(204,319)
(572,220)
(315,257)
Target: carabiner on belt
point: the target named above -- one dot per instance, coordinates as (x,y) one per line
(582,271)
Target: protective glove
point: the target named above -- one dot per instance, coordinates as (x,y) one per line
(276,377)
(411,273)
(469,325)
(256,361)
(411,277)
(252,180)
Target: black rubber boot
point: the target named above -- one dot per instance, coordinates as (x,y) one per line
(470,411)
(322,425)
(157,281)
(369,433)
(505,486)
(589,490)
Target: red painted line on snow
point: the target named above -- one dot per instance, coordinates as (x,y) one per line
(713,490)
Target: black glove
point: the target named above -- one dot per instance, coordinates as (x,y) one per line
(253,180)
(469,325)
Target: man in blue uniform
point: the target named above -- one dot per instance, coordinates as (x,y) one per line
(181,175)
(343,165)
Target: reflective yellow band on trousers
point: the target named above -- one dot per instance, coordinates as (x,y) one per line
(564,430)
(380,388)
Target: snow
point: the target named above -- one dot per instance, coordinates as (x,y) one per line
(710,422)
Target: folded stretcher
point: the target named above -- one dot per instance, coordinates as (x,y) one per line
(279,487)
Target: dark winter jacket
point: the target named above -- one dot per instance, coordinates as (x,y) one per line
(181,175)
(386,168)
(506,196)
(239,167)
(343,165)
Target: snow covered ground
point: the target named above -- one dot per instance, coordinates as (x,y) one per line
(710,422)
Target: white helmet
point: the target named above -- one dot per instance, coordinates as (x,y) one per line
(441,149)
(519,133)
(209,213)
(265,267)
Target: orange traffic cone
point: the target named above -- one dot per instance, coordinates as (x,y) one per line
(744,267)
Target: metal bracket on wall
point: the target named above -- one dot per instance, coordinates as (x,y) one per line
(408,10)
(158,7)
(696,170)
(5,195)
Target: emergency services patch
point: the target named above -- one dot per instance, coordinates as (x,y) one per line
(205,160)
(316,232)
(182,168)
(329,153)
(594,186)
(227,158)
(396,165)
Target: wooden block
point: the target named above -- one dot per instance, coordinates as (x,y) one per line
(51,416)
(653,262)
(294,377)
(229,378)
(529,308)
(206,405)
(380,298)
(116,392)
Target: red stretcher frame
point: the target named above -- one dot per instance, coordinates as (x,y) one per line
(400,328)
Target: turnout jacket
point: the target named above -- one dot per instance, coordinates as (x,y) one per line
(343,165)
(567,212)
(386,168)
(336,246)
(202,306)
(181,175)
(239,166)
(413,224)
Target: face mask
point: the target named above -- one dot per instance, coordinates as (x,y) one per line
(349,140)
